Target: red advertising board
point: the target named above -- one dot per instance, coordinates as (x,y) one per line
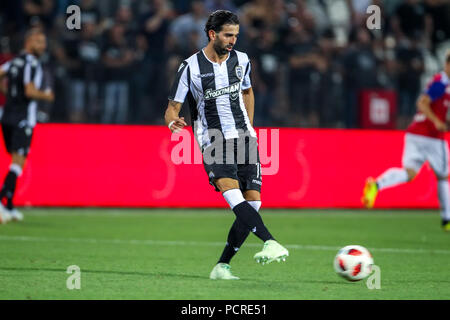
(133,166)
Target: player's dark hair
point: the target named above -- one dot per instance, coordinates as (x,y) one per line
(32,31)
(218,19)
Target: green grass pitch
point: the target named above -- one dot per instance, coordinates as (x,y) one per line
(168,254)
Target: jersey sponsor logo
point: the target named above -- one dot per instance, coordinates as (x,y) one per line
(239,72)
(206,75)
(232,90)
(257,182)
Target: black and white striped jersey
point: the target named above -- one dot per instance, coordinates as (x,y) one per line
(213,92)
(21,70)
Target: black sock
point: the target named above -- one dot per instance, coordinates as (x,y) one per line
(252,220)
(9,186)
(236,237)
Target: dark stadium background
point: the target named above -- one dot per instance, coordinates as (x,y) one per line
(311,59)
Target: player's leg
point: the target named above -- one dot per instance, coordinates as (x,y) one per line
(250,180)
(272,250)
(236,236)
(9,185)
(239,231)
(413,158)
(395,176)
(444,201)
(19,145)
(437,156)
(241,208)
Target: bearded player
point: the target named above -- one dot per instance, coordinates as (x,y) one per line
(216,84)
(424,141)
(24,75)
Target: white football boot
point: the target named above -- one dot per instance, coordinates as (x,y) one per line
(5,217)
(222,271)
(271,251)
(15,215)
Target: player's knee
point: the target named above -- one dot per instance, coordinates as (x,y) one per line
(252,195)
(18,160)
(411,174)
(225,184)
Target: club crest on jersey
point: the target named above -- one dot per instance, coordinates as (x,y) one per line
(239,72)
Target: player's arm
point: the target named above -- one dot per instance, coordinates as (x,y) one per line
(173,121)
(249,102)
(3,71)
(424,106)
(31,82)
(32,93)
(247,93)
(177,95)
(3,87)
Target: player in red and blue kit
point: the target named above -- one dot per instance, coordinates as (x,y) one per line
(424,141)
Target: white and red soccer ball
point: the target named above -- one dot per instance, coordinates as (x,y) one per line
(353,263)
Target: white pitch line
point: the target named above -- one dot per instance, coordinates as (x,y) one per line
(214,244)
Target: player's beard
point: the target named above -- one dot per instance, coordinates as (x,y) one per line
(220,48)
(37,53)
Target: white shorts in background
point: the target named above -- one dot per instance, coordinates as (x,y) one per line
(419,149)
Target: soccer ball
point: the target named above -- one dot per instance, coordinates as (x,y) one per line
(353,263)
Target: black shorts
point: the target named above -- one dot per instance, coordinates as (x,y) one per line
(17,138)
(243,163)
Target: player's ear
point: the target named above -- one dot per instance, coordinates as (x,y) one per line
(212,34)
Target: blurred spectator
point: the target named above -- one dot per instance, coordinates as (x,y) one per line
(118,59)
(81,58)
(310,58)
(411,18)
(154,25)
(439,13)
(306,64)
(410,69)
(213,5)
(266,72)
(359,70)
(153,38)
(187,31)
(39,11)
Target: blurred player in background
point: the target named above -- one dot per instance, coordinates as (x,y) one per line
(216,83)
(24,77)
(424,141)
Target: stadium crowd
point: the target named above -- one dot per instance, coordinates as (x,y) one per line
(310,58)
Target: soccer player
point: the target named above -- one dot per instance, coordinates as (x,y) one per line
(424,141)
(216,83)
(24,75)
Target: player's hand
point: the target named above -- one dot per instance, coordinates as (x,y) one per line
(440,125)
(178,125)
(50,95)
